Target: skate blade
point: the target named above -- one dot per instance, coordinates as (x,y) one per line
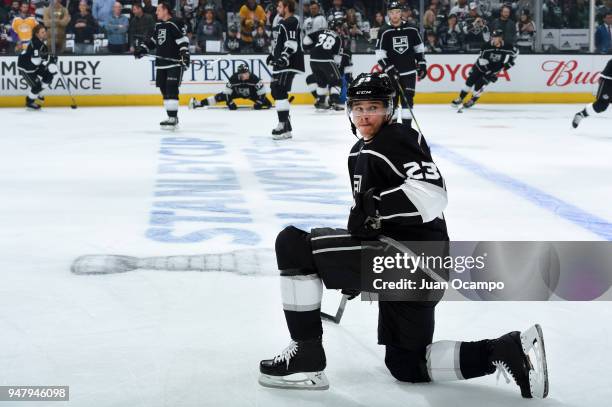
(283,136)
(532,341)
(169,128)
(297,381)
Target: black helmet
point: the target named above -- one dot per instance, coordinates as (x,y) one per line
(336,24)
(394,5)
(243,68)
(371,86)
(497,33)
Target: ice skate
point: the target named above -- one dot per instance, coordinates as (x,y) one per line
(194,104)
(171,123)
(456,102)
(282,131)
(31,104)
(578,118)
(522,356)
(299,366)
(321,105)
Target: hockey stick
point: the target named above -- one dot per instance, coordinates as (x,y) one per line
(73,105)
(212,61)
(336,319)
(403,96)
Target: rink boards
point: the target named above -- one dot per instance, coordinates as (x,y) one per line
(121,80)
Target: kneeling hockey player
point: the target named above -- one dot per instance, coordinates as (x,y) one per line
(398,194)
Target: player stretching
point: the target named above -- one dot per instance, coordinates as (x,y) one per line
(494,56)
(401,54)
(172,50)
(399,194)
(287,59)
(325,59)
(604,94)
(243,84)
(37,67)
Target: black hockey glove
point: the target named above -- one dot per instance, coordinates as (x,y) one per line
(282,62)
(422,70)
(185,59)
(350,293)
(52,59)
(362,222)
(349,78)
(140,52)
(394,75)
(262,103)
(508,66)
(231,105)
(270,60)
(492,77)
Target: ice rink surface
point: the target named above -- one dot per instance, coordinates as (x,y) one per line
(107,180)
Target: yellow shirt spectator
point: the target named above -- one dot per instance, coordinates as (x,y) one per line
(252,15)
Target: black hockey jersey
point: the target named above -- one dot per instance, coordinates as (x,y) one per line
(493,59)
(398,163)
(232,45)
(400,47)
(325,45)
(289,43)
(244,88)
(168,39)
(607,72)
(33,56)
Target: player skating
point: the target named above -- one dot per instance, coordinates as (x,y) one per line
(241,85)
(287,59)
(405,206)
(315,22)
(325,59)
(494,56)
(401,54)
(604,94)
(171,45)
(37,67)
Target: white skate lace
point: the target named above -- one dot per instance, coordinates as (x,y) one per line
(502,369)
(287,353)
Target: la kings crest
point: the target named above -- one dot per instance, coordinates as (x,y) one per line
(161,36)
(400,44)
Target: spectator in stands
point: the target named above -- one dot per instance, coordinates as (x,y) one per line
(261,42)
(232,42)
(116,30)
(252,15)
(430,17)
(22,25)
(83,27)
(215,5)
(336,11)
(60,14)
(461,10)
(506,24)
(148,8)
(14,10)
(208,29)
(358,37)
(5,43)
(379,19)
(603,35)
(577,14)
(186,16)
(552,14)
(141,26)
(102,11)
(526,30)
(474,29)
(39,9)
(431,43)
(450,35)
(408,16)
(601,10)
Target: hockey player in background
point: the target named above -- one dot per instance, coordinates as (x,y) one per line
(604,94)
(37,67)
(287,59)
(171,45)
(399,195)
(325,58)
(494,56)
(241,85)
(316,22)
(401,54)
